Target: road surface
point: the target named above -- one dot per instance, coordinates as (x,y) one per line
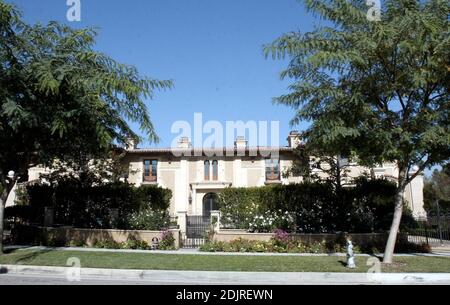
(6,279)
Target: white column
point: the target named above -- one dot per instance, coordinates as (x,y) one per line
(182,221)
(238,173)
(182,187)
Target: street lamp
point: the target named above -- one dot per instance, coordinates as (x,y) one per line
(11,174)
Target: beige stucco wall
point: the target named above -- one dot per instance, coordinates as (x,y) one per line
(358,239)
(91,236)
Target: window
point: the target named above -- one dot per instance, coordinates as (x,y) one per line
(150,170)
(207,170)
(215,170)
(272,170)
(215,166)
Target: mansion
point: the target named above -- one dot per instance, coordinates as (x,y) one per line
(196,178)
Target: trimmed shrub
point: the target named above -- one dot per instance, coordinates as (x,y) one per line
(312,207)
(285,244)
(85,205)
(135,244)
(148,220)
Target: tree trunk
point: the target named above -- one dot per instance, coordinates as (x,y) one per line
(398,212)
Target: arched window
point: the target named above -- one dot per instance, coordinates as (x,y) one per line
(210,203)
(207,170)
(215,166)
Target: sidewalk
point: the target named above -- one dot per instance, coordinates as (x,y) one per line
(223,278)
(443,250)
(438,252)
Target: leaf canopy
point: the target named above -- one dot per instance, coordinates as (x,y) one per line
(381,88)
(60,98)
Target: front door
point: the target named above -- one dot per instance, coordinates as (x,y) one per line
(210,204)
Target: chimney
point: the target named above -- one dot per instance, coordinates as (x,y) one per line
(294,139)
(240,143)
(131,144)
(184,143)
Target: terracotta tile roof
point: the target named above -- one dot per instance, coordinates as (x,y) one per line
(222,151)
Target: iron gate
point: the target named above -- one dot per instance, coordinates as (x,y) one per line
(432,231)
(197,228)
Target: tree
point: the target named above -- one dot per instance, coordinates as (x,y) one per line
(61,100)
(446,169)
(380,87)
(318,164)
(437,190)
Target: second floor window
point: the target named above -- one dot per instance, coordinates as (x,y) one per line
(207,170)
(215,170)
(272,170)
(150,170)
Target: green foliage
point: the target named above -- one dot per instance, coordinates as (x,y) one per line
(154,197)
(148,219)
(238,206)
(167,241)
(437,189)
(378,89)
(310,207)
(272,246)
(83,205)
(60,99)
(135,244)
(309,161)
(77,244)
(291,245)
(107,244)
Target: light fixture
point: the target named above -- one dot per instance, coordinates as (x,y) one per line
(11,174)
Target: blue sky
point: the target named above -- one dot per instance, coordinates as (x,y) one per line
(212,49)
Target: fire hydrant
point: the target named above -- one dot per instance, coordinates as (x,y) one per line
(350,254)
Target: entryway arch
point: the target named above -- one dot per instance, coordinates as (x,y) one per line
(210,203)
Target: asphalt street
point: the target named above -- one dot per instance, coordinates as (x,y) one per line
(6,279)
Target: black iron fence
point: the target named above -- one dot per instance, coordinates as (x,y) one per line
(197,230)
(432,231)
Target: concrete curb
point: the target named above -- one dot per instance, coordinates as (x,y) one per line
(196,252)
(233,278)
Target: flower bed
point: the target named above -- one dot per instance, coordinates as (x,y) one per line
(282,242)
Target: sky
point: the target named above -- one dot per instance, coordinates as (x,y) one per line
(211,49)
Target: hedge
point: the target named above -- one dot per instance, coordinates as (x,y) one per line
(86,206)
(311,207)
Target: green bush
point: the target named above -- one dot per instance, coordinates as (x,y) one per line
(272,246)
(86,205)
(77,244)
(148,220)
(135,244)
(107,244)
(311,207)
(167,241)
(293,246)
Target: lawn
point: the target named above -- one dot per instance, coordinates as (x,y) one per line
(217,263)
